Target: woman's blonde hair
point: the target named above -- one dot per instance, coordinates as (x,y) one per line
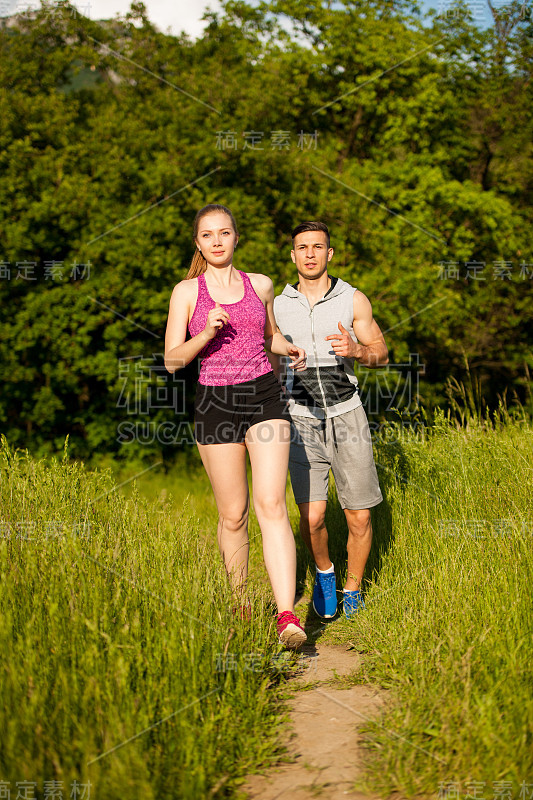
(198,263)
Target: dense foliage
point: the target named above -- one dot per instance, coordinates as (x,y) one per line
(411,138)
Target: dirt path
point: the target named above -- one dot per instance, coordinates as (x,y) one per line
(324,720)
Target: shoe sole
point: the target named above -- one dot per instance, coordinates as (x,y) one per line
(292,637)
(324,616)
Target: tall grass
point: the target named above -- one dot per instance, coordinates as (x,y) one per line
(122,665)
(448,629)
(449,620)
(107,630)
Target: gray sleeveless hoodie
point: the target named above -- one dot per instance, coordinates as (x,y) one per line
(328,387)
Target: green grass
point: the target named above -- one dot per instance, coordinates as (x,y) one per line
(105,634)
(448,628)
(109,629)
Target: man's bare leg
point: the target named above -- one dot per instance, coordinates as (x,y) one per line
(315,535)
(314,532)
(359,543)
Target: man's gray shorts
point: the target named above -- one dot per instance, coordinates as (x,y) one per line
(342,443)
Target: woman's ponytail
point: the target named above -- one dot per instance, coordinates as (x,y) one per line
(198,265)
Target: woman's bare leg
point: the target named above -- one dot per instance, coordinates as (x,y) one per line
(268,445)
(225,465)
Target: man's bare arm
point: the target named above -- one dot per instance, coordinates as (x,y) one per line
(370,349)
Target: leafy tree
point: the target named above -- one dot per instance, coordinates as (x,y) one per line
(411,141)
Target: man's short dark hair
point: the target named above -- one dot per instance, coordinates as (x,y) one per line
(310,226)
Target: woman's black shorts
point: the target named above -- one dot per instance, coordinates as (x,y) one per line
(223,414)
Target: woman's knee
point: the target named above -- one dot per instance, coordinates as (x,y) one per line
(233,520)
(270,507)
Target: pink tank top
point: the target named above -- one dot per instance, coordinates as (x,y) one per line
(237,352)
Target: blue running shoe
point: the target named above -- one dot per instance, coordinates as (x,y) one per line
(325,595)
(353,602)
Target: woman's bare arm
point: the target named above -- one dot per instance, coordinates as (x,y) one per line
(275,342)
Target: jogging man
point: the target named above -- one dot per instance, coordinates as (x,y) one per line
(333,322)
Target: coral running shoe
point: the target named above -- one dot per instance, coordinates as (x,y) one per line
(291,634)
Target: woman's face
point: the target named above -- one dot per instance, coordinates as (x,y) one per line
(216,238)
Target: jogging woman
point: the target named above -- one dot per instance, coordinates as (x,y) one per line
(238,406)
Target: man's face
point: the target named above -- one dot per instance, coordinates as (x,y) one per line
(310,253)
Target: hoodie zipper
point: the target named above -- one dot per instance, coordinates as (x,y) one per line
(316,357)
